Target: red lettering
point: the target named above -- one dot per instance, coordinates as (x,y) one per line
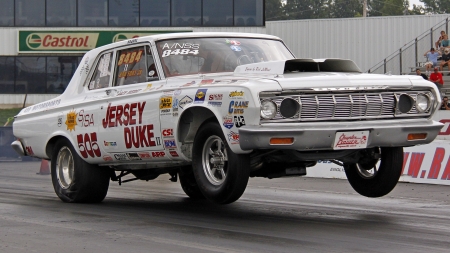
(45,42)
(142,137)
(126,114)
(85,41)
(436,164)
(119,112)
(405,159)
(447,131)
(111,117)
(106,119)
(62,42)
(446,174)
(127,136)
(132,113)
(79,42)
(141,110)
(71,39)
(415,163)
(150,135)
(55,42)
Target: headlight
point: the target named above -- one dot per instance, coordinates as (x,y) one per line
(405,103)
(289,107)
(422,102)
(268,109)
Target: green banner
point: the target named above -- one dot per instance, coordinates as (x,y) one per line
(75,41)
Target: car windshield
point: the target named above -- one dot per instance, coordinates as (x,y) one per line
(212,55)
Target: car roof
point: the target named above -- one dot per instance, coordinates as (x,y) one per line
(166,36)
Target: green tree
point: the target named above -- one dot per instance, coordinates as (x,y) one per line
(394,7)
(274,10)
(306,9)
(436,6)
(346,8)
(375,7)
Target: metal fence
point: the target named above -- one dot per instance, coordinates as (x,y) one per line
(411,55)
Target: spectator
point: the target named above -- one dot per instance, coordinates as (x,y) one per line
(419,73)
(438,43)
(436,78)
(445,104)
(445,60)
(432,57)
(445,43)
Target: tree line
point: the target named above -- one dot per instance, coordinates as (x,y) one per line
(312,9)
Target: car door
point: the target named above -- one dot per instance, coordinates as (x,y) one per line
(130,129)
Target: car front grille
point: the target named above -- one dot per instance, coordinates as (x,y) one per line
(347,106)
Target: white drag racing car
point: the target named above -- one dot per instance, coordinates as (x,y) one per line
(213,109)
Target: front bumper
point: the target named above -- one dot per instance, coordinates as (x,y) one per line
(320,135)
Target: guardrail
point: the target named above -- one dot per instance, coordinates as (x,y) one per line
(411,54)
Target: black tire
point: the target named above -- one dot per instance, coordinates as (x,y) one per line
(231,183)
(188,183)
(385,177)
(74,180)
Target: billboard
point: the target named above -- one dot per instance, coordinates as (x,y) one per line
(75,41)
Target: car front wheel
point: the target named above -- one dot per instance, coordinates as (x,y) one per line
(378,175)
(221,175)
(75,180)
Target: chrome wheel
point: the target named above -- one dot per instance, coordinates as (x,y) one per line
(370,173)
(214,160)
(369,170)
(64,167)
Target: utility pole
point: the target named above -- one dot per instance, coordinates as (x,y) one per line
(365,9)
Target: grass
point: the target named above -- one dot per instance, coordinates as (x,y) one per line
(7,113)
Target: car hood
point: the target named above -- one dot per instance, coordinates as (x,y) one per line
(319,74)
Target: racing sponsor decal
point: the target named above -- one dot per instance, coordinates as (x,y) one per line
(110,144)
(236,48)
(127,92)
(239,121)
(149,87)
(144,155)
(188,84)
(165,103)
(215,97)
(107,158)
(233,42)
(228,122)
(237,107)
(173,153)
(130,115)
(158,154)
(71,120)
(236,94)
(132,41)
(60,120)
(175,107)
(121,157)
(214,103)
(180,49)
(88,146)
(200,96)
(85,119)
(233,137)
(85,68)
(133,156)
(177,92)
(206,81)
(61,41)
(185,101)
(44,105)
(29,150)
(171,143)
(167,132)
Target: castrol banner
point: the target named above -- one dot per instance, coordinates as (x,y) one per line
(429,164)
(75,41)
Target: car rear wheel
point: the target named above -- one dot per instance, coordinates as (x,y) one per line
(221,175)
(377,176)
(75,180)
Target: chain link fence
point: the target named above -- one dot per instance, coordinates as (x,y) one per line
(411,56)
